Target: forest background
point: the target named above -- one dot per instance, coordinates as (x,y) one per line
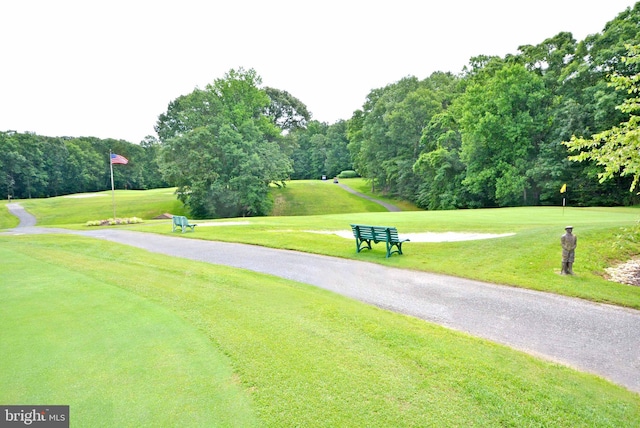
(490,136)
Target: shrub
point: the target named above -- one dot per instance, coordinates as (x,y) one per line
(113,222)
(348,174)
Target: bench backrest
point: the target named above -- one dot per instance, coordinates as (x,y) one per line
(377,233)
(179,220)
(392,233)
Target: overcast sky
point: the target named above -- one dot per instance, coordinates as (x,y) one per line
(109,68)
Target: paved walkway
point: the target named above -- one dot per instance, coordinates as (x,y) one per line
(591,337)
(387,205)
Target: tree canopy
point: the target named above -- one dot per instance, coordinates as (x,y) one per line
(221,149)
(617,149)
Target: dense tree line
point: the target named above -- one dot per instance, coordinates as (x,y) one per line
(34,166)
(616,149)
(490,136)
(493,135)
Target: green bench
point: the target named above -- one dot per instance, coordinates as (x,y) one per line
(366,234)
(182,222)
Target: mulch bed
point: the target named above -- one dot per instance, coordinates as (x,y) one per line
(625,273)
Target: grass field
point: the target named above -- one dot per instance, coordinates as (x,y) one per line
(81,208)
(307,197)
(130,339)
(530,258)
(361,185)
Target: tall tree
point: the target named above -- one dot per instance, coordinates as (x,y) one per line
(286,111)
(220,148)
(503,119)
(439,166)
(338,156)
(617,149)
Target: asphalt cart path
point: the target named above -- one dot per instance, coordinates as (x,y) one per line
(388,206)
(591,337)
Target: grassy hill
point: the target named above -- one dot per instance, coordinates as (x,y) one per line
(316,197)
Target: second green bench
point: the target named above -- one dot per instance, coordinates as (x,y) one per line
(182,222)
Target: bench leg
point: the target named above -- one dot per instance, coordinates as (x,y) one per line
(360,246)
(391,251)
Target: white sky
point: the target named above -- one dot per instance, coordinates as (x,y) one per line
(109,68)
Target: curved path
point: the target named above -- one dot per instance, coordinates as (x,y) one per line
(388,206)
(596,338)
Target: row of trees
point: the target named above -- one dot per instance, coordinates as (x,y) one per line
(35,166)
(491,136)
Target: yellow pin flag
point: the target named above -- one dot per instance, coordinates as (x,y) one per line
(563,188)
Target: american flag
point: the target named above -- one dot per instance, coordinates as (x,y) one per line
(118,159)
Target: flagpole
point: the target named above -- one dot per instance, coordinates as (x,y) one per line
(113,195)
(563,190)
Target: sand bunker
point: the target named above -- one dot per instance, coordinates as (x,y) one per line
(425,237)
(226,223)
(413,237)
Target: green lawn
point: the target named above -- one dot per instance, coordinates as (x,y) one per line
(81,208)
(71,335)
(363,186)
(307,197)
(129,338)
(530,258)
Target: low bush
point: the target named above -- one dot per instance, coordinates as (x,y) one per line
(348,174)
(113,222)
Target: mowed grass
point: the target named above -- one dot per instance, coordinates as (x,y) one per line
(530,258)
(307,197)
(363,186)
(129,338)
(71,336)
(81,208)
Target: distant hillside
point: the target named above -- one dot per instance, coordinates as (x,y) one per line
(312,197)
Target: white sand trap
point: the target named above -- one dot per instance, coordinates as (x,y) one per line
(226,223)
(83,195)
(425,237)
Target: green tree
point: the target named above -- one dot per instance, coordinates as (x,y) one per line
(385,135)
(503,120)
(286,111)
(84,170)
(12,163)
(148,161)
(311,150)
(439,165)
(617,149)
(221,149)
(338,156)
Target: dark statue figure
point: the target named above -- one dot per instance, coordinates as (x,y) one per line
(569,243)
